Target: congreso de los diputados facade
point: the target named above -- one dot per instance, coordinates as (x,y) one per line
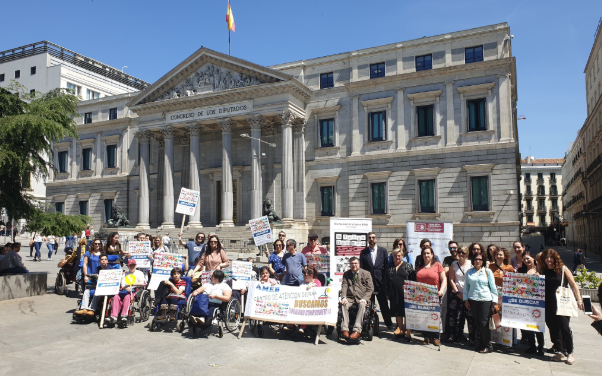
(421,130)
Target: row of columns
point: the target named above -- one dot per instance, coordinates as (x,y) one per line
(292,170)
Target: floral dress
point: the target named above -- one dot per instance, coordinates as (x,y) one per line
(276,262)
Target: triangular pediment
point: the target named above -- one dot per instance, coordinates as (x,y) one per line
(207,72)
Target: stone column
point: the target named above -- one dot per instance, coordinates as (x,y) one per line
(505,107)
(299,169)
(400,126)
(195,158)
(73,159)
(286,175)
(227,195)
(168,196)
(269,188)
(124,150)
(98,156)
(256,122)
(143,192)
(451,121)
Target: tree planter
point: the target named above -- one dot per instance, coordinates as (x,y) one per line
(591,292)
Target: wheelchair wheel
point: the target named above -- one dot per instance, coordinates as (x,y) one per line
(180,326)
(154,326)
(328,330)
(232,316)
(145,306)
(260,331)
(252,325)
(369,334)
(375,324)
(220,331)
(60,285)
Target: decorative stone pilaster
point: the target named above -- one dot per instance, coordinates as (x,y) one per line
(287,118)
(451,120)
(256,122)
(143,191)
(505,107)
(299,169)
(227,195)
(194,130)
(168,194)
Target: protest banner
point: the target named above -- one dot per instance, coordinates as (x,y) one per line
(503,335)
(422,307)
(109,281)
(162,266)
(140,251)
(262,232)
(523,302)
(187,203)
(348,237)
(319,261)
(242,271)
(439,233)
(292,304)
(206,275)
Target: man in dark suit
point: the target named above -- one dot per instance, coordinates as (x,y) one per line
(356,288)
(373,259)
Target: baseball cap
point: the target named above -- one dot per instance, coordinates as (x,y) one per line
(131,262)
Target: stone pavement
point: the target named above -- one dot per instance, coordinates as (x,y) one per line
(38,337)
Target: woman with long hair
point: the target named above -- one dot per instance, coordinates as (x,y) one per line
(456,310)
(530,267)
(519,249)
(491,250)
(114,251)
(399,243)
(500,265)
(91,259)
(214,257)
(551,266)
(275,260)
(477,249)
(431,272)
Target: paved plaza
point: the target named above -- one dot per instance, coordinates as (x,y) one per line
(37,336)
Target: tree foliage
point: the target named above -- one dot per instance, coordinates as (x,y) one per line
(57,224)
(29,122)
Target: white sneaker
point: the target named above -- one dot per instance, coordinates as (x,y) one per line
(301,331)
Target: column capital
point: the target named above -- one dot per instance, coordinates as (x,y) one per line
(161,140)
(143,136)
(225,125)
(194,129)
(449,82)
(168,132)
(269,128)
(185,138)
(286,117)
(299,125)
(503,75)
(256,121)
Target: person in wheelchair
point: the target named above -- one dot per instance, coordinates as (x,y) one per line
(69,265)
(177,286)
(217,291)
(122,300)
(264,277)
(89,307)
(356,289)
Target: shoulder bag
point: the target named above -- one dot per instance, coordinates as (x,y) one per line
(567,305)
(495,321)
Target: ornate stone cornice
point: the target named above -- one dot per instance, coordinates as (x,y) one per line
(256,121)
(299,125)
(194,129)
(143,136)
(225,125)
(185,138)
(168,132)
(160,139)
(286,117)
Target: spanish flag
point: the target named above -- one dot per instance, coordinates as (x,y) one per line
(230,18)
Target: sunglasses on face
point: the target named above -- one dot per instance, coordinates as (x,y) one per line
(452,248)
(97,243)
(481,260)
(213,241)
(462,253)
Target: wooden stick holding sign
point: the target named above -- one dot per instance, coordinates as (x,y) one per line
(101,324)
(187,203)
(242,328)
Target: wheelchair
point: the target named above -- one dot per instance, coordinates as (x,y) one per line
(181,311)
(369,324)
(227,314)
(66,276)
(140,304)
(91,285)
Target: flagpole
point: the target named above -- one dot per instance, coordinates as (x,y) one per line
(228,29)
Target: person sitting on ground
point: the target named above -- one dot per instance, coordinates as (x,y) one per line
(7,247)
(177,286)
(121,300)
(217,291)
(12,262)
(89,307)
(356,288)
(264,275)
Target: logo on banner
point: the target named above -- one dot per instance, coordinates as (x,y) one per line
(435,316)
(429,227)
(536,313)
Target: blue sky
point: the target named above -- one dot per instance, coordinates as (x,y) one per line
(552,41)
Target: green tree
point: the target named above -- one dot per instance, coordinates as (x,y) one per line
(29,123)
(57,224)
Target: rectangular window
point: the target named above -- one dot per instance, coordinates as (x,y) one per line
(88,118)
(378,126)
(111,156)
(528,176)
(327,195)
(2,77)
(553,190)
(326,132)
(326,80)
(473,54)
(90,94)
(59,207)
(554,204)
(74,89)
(83,207)
(379,203)
(542,220)
(427,196)
(377,70)
(62,157)
(541,205)
(32,91)
(32,70)
(17,74)
(86,159)
(480,193)
(552,176)
(425,121)
(529,204)
(108,209)
(424,62)
(530,218)
(476,114)
(112,113)
(541,190)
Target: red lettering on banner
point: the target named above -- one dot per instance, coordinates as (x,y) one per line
(429,227)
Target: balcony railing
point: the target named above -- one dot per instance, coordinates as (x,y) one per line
(541,209)
(539,180)
(529,194)
(592,166)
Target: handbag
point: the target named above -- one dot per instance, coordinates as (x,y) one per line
(567,305)
(495,320)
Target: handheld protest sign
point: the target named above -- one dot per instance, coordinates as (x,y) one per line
(187,203)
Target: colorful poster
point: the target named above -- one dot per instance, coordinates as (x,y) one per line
(503,335)
(321,262)
(187,201)
(242,271)
(206,276)
(293,304)
(262,232)
(423,310)
(140,251)
(348,237)
(523,302)
(108,282)
(162,266)
(439,233)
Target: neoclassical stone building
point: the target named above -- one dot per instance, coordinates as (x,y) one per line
(418,130)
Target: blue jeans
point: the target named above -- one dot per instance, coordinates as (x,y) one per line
(50,249)
(37,246)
